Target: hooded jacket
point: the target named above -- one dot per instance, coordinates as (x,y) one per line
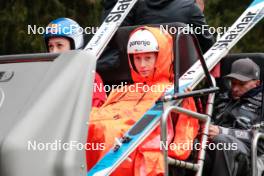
(237,117)
(155,12)
(126,105)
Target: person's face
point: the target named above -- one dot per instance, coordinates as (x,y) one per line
(145,63)
(58,44)
(241,87)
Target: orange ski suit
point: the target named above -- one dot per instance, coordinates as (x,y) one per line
(124,107)
(99,96)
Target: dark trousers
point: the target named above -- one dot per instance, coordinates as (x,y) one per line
(227,162)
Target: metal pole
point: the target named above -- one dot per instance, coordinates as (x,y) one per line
(209,112)
(175,109)
(256,137)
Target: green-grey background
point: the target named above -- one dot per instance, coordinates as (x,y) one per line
(16,15)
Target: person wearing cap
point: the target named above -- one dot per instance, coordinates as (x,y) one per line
(64,34)
(150,56)
(234,114)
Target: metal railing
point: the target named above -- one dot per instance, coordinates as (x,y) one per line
(256,137)
(204,118)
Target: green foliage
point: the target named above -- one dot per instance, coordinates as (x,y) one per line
(16,15)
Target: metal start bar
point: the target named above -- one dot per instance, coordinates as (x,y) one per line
(110,25)
(256,137)
(195,93)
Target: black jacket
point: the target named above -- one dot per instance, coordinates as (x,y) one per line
(237,117)
(167,11)
(155,12)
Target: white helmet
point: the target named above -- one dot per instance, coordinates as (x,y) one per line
(142,41)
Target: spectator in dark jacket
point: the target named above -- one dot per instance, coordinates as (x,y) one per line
(155,12)
(235,114)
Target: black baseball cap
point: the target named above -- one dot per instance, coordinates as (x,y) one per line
(244,70)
